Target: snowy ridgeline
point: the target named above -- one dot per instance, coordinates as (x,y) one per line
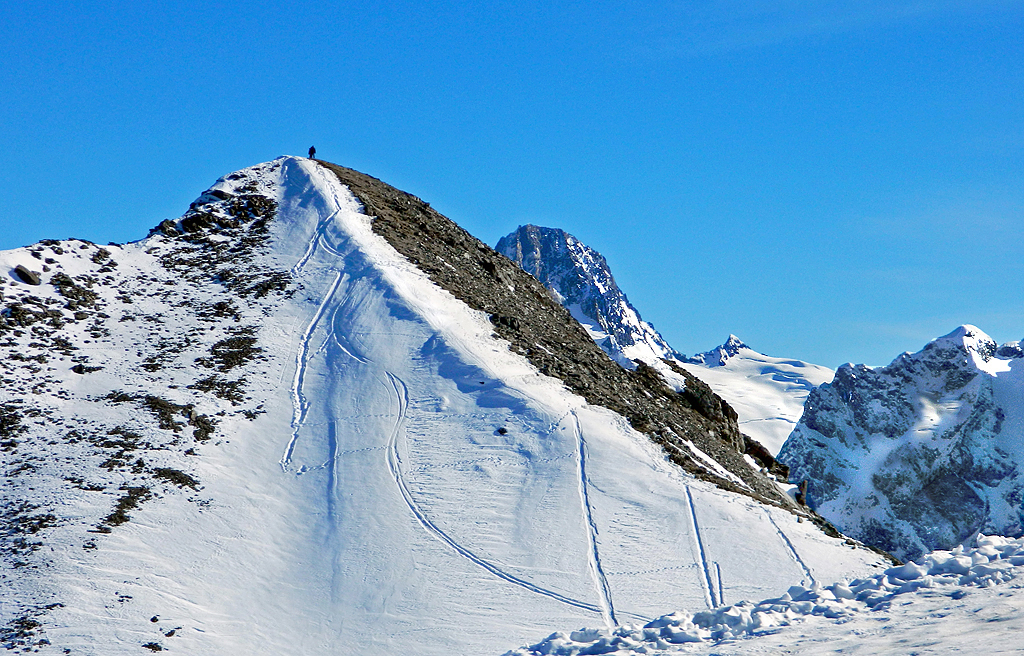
(993,561)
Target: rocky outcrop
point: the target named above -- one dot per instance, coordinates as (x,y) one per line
(921,454)
(26,275)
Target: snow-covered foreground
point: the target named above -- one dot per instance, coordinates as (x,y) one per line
(407,484)
(965,600)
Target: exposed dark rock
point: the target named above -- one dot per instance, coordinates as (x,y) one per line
(77,295)
(579,277)
(27,276)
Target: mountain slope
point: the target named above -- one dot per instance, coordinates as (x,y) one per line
(579,278)
(920,454)
(286,435)
(767,393)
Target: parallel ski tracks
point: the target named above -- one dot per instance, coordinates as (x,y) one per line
(398,389)
(394,460)
(300,404)
(707,583)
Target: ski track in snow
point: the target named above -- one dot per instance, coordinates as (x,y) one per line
(300,404)
(708,585)
(721,590)
(395,465)
(600,580)
(792,549)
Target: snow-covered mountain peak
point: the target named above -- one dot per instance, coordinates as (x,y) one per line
(578,277)
(313,413)
(921,453)
(720,355)
(767,393)
(972,342)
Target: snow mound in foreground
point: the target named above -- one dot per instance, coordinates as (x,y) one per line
(993,561)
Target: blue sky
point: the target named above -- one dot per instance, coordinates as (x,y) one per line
(831,181)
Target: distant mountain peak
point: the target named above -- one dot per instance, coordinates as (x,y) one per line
(947,417)
(718,356)
(579,278)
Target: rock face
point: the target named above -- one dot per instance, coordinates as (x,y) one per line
(923,453)
(579,278)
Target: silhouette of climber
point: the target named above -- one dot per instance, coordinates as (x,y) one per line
(312,152)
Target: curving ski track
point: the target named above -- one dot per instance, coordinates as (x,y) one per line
(300,404)
(792,550)
(708,584)
(394,460)
(600,580)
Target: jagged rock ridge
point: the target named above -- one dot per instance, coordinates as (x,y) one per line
(923,453)
(579,278)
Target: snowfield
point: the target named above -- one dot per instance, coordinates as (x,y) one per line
(767,393)
(944,603)
(399,482)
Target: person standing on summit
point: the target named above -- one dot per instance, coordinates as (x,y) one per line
(312,152)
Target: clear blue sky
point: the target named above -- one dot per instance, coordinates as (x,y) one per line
(831,181)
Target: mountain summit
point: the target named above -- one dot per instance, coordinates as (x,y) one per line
(719,356)
(923,453)
(579,278)
(768,393)
(313,415)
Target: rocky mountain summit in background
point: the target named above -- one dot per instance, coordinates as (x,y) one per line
(720,355)
(579,278)
(923,453)
(766,393)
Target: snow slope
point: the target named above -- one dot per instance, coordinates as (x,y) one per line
(920,454)
(389,476)
(767,393)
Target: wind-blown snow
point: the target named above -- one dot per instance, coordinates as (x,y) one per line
(843,617)
(412,485)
